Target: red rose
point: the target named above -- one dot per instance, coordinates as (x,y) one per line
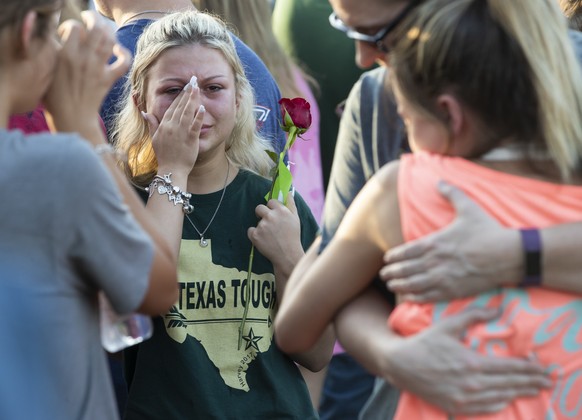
(295,112)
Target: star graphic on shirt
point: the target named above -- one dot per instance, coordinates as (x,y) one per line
(252,340)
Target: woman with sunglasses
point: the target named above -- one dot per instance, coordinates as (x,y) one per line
(301,28)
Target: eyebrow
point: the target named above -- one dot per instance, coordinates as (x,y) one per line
(206,79)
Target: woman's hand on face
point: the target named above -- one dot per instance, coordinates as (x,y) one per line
(278,233)
(176,138)
(83,75)
(473,254)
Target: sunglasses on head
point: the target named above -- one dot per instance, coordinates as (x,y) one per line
(378,38)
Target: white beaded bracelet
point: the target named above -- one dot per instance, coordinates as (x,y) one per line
(163,184)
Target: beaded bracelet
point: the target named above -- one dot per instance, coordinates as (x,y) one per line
(532,248)
(163,184)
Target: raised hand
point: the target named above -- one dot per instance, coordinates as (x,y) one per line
(83,75)
(176,138)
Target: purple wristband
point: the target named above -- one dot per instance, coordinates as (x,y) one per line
(532,248)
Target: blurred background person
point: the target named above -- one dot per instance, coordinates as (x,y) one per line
(252,23)
(302,29)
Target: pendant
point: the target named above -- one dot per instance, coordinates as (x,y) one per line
(203,242)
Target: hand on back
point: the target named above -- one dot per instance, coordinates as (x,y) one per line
(438,367)
(472,255)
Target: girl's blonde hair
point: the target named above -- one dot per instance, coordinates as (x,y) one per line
(245,147)
(251,20)
(511,62)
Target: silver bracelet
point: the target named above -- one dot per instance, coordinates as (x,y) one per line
(163,184)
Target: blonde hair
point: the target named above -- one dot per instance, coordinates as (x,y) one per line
(573,11)
(251,20)
(511,62)
(245,147)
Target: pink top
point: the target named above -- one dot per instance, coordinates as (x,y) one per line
(305,156)
(31,122)
(534,320)
(34,122)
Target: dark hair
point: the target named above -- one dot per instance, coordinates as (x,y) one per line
(12,13)
(508,61)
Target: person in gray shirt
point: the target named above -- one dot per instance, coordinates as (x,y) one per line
(71,225)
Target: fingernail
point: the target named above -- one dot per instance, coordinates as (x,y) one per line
(194,81)
(188,87)
(144,115)
(201,109)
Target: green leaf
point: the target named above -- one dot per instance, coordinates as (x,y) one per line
(282,184)
(273,172)
(288,122)
(291,137)
(274,156)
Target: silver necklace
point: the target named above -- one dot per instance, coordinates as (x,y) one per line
(203,241)
(145,12)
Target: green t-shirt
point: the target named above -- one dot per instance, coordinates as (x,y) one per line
(192,367)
